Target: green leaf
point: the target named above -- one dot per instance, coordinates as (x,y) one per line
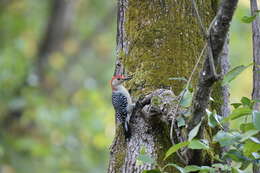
(192,168)
(180,121)
(250,147)
(222,167)
(194,131)
(255,140)
(246,127)
(246,101)
(213,119)
(236,105)
(244,165)
(145,159)
(175,148)
(204,169)
(152,171)
(256,155)
(198,145)
(186,99)
(235,155)
(235,170)
(248,19)
(232,74)
(182,170)
(248,134)
(225,138)
(256,119)
(237,113)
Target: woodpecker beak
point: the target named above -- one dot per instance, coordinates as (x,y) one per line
(127,78)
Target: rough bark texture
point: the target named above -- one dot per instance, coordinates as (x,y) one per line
(256,60)
(221,93)
(256,54)
(217,39)
(156,40)
(160,40)
(218,35)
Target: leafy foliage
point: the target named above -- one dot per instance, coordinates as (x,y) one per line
(175,148)
(194,131)
(232,74)
(249,19)
(243,146)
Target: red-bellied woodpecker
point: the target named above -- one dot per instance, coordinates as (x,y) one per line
(122,102)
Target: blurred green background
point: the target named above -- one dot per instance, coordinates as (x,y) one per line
(65,122)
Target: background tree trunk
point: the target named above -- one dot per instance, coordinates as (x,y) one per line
(57,30)
(58,27)
(256,60)
(156,40)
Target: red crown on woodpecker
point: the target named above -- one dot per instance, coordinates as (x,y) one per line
(118,80)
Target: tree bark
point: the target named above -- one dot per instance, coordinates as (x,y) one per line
(220,93)
(151,37)
(156,41)
(256,60)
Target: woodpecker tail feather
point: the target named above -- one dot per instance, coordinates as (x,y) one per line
(127,130)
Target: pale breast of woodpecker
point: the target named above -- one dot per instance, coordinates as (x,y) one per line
(122,102)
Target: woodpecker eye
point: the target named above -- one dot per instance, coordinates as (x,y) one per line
(118,78)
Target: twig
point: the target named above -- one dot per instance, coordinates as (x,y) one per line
(218,33)
(202,27)
(206,34)
(181,96)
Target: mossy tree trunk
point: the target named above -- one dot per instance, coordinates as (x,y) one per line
(158,40)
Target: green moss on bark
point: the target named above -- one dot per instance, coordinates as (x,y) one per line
(163,41)
(119,151)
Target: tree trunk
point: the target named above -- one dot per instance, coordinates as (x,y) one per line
(256,60)
(156,40)
(58,27)
(256,54)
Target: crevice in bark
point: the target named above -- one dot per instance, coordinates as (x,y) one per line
(147,50)
(150,126)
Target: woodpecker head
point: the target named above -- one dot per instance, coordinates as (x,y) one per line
(118,80)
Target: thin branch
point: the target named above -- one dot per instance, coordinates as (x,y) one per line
(202,27)
(206,36)
(180,98)
(187,86)
(218,34)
